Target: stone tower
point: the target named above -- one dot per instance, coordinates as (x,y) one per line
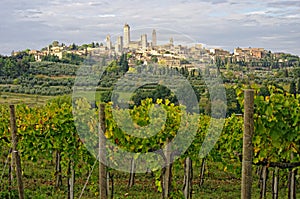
(126,36)
(154,41)
(108,42)
(171,41)
(119,45)
(144,41)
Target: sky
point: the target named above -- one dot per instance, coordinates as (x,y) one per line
(270,24)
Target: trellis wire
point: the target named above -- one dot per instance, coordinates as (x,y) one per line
(88,178)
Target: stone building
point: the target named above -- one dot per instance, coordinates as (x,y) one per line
(126,35)
(154,39)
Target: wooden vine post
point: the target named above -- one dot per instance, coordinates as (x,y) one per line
(167,172)
(71,180)
(292,181)
(263,181)
(102,154)
(16,157)
(247,144)
(58,182)
(132,174)
(275,183)
(188,178)
(202,170)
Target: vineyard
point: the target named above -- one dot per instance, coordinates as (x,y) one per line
(42,78)
(59,150)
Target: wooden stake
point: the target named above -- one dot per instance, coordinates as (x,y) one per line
(247,144)
(275,183)
(102,154)
(110,185)
(10,176)
(292,181)
(292,184)
(132,174)
(188,178)
(263,181)
(16,157)
(167,173)
(202,170)
(71,180)
(58,181)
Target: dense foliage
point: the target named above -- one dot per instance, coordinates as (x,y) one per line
(51,129)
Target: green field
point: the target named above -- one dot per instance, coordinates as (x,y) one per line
(17,98)
(39,183)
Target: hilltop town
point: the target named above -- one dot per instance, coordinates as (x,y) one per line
(144,51)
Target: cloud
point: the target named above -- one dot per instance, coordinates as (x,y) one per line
(281,4)
(106,15)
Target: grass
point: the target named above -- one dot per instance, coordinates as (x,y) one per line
(39,183)
(56,77)
(17,98)
(37,100)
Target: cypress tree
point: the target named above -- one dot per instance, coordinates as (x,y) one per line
(293,89)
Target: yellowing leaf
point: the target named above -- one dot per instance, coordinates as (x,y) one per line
(159,101)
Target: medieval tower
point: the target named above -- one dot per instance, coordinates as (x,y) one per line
(126,36)
(154,42)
